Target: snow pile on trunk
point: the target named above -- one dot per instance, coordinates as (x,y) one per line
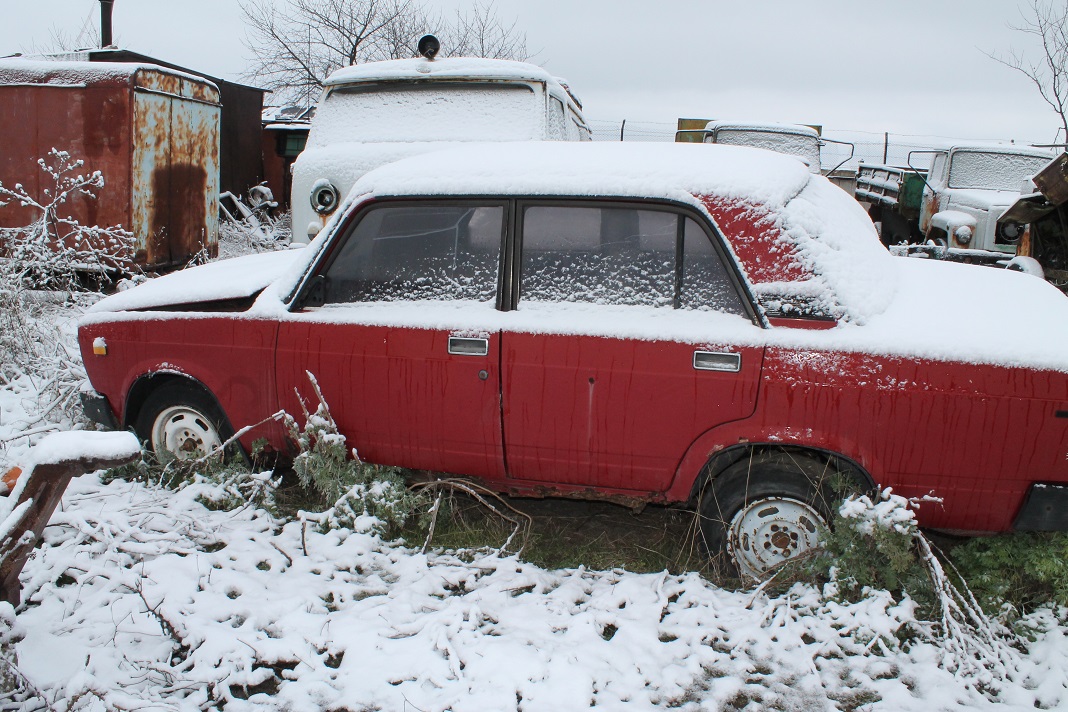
(143,598)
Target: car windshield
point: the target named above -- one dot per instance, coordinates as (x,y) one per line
(993,171)
(438,111)
(804,147)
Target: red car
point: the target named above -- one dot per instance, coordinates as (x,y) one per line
(674,323)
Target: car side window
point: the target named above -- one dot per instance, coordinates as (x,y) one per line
(622,256)
(706,283)
(419,252)
(598,255)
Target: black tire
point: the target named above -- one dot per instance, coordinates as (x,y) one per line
(788,496)
(196,423)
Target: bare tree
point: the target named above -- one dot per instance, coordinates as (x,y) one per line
(480,33)
(298,43)
(1046,22)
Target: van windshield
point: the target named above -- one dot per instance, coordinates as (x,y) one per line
(427,111)
(993,171)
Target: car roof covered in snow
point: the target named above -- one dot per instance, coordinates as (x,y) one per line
(640,170)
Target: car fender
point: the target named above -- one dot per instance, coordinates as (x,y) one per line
(755,434)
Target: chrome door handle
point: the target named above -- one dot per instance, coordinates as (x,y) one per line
(717,361)
(463,346)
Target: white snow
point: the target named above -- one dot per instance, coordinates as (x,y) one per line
(994,170)
(225,279)
(351,621)
(489,112)
(79,444)
(75,70)
(447,68)
(141,598)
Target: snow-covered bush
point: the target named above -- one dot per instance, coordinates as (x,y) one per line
(39,354)
(56,250)
(871,546)
(362,496)
(42,266)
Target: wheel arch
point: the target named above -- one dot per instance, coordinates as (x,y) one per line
(147,383)
(820,457)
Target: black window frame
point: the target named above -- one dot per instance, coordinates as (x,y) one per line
(682,210)
(344,231)
(510,264)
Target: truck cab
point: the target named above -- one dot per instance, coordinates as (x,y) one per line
(967,190)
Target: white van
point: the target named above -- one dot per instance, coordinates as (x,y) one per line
(379,112)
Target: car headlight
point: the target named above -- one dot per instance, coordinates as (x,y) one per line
(1010,231)
(963,235)
(324,197)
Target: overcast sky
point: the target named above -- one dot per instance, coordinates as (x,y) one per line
(910,66)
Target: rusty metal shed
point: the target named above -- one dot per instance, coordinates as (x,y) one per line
(240,157)
(152,131)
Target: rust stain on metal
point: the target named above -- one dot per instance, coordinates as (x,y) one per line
(153,133)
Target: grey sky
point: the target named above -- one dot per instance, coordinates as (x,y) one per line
(910,67)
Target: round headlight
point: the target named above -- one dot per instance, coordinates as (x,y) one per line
(324,197)
(963,235)
(1010,232)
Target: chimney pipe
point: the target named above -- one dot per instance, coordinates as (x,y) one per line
(105,22)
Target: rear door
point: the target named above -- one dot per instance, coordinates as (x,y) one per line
(405,347)
(628,341)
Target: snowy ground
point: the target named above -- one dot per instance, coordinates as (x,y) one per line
(141,598)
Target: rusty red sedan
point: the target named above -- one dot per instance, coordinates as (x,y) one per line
(670,323)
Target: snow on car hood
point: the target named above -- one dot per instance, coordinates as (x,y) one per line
(226,279)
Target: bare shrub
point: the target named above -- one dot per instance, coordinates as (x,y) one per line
(55,251)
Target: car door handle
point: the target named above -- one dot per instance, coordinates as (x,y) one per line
(717,361)
(464,346)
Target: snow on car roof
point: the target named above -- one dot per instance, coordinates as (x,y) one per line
(448,68)
(640,170)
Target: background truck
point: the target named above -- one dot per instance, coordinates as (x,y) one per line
(1046,212)
(956,206)
(804,142)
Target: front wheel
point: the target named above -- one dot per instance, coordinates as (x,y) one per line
(180,422)
(764,511)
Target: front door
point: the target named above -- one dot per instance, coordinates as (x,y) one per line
(405,346)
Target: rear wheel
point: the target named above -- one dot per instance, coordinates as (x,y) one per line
(764,511)
(179,421)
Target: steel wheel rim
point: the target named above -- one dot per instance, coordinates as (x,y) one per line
(770,531)
(183,433)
